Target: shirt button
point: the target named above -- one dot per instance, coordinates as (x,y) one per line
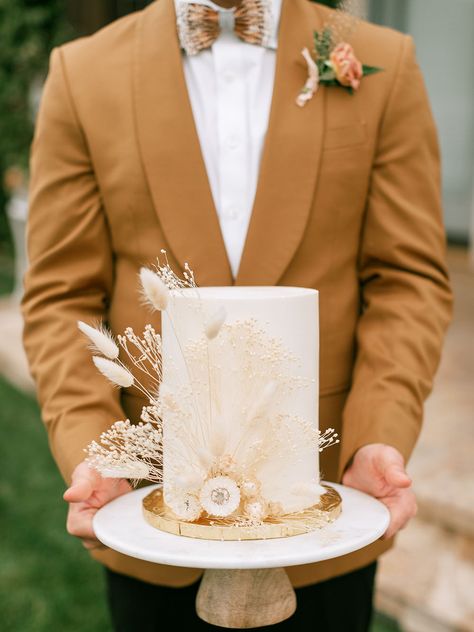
(229,76)
(232,142)
(231,213)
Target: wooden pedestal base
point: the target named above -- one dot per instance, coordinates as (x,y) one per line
(245,598)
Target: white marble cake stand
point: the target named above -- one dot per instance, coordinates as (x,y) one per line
(244,584)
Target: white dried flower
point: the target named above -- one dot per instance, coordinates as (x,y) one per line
(101,339)
(327,439)
(214,323)
(127,470)
(128,450)
(250,489)
(184,505)
(154,289)
(220,496)
(115,373)
(256,510)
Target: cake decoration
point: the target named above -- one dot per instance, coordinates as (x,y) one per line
(230,430)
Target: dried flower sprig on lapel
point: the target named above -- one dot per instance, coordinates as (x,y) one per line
(334,62)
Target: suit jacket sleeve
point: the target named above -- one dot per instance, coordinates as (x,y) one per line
(405,293)
(70,277)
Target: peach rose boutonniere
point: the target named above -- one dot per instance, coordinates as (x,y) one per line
(332,65)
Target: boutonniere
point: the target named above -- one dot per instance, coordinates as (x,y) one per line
(332,65)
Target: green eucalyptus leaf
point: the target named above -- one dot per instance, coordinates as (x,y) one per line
(329,82)
(328,75)
(370,70)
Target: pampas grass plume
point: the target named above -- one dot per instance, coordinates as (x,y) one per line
(154,290)
(101,339)
(262,402)
(214,324)
(117,374)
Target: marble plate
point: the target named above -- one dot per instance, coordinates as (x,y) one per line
(121,526)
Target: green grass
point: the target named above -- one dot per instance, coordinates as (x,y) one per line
(47,580)
(6,274)
(384,624)
(6,252)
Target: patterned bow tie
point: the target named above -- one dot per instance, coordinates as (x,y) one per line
(198,24)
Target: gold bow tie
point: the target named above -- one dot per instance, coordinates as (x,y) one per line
(198,24)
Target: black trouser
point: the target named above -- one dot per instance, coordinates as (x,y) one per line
(342,604)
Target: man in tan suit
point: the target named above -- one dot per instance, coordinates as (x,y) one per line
(347,201)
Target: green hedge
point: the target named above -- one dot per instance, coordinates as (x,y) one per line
(28,31)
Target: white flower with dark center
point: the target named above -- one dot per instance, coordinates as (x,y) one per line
(184,505)
(220,496)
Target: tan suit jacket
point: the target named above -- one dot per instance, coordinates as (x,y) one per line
(348,202)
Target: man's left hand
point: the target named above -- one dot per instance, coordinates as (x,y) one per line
(379,470)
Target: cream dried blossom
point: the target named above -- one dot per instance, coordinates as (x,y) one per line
(172,280)
(184,505)
(101,339)
(114,372)
(250,488)
(135,470)
(327,438)
(256,510)
(220,496)
(128,450)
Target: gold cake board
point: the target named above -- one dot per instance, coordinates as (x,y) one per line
(159,516)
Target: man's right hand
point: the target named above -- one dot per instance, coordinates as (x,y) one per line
(87,494)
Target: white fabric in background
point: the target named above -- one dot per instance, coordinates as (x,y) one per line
(230,87)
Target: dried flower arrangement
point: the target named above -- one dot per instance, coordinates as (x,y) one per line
(217,444)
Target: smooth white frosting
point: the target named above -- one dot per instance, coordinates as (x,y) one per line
(289,315)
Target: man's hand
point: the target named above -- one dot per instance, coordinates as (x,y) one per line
(379,470)
(88,493)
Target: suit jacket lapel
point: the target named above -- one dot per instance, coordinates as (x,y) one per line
(290,158)
(170,149)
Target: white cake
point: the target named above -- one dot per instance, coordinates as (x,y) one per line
(240,401)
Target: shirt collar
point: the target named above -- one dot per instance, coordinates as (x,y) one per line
(275,7)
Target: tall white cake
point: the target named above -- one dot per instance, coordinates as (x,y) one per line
(240,401)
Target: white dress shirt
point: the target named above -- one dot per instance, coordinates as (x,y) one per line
(230,87)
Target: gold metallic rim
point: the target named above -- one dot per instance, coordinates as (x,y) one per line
(159,516)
